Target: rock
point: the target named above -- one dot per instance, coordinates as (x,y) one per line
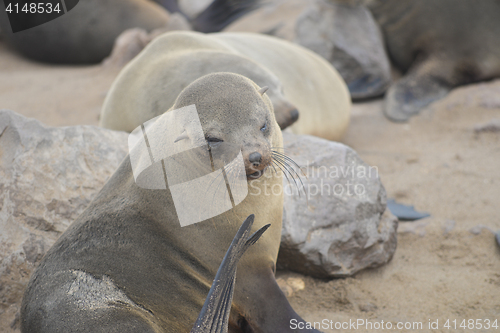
(368,307)
(491,126)
(478,229)
(290,285)
(47,178)
(344,33)
(341,225)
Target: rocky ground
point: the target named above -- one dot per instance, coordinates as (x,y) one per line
(444,162)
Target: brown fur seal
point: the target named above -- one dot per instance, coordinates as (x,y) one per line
(438,44)
(86,33)
(126,264)
(297,79)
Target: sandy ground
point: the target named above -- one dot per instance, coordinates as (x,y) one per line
(445,267)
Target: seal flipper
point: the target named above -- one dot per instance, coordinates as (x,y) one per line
(221,13)
(426,83)
(214,315)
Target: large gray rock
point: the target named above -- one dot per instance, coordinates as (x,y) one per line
(343,32)
(47,178)
(339,224)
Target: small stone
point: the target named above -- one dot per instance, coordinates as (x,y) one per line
(491,126)
(367,307)
(285,288)
(297,284)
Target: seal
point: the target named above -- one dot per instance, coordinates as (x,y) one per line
(86,33)
(438,45)
(297,79)
(126,264)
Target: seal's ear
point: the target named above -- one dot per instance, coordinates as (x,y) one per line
(263,90)
(214,315)
(183,136)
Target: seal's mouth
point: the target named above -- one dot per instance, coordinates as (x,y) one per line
(256,175)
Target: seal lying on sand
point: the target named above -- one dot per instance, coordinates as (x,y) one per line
(86,33)
(439,44)
(126,264)
(297,79)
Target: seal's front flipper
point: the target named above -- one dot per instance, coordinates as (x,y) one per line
(214,315)
(423,85)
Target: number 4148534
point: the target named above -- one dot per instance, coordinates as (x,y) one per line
(472,324)
(33,8)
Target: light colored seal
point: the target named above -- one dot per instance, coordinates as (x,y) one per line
(126,264)
(297,79)
(86,33)
(438,44)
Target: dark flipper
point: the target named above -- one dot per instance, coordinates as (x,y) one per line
(170,5)
(214,315)
(404,212)
(221,13)
(426,83)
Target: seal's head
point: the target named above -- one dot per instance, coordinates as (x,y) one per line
(236,115)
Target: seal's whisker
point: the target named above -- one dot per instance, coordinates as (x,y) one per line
(213,181)
(232,177)
(288,171)
(288,158)
(284,173)
(288,167)
(274,168)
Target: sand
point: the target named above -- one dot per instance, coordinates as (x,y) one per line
(445,267)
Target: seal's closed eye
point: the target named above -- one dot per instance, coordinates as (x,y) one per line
(214,315)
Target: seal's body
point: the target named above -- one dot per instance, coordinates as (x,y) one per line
(126,264)
(296,77)
(440,44)
(86,33)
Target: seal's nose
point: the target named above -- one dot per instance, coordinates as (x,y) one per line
(294,115)
(255,158)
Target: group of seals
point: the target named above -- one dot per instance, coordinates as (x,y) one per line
(438,44)
(87,32)
(126,264)
(297,78)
